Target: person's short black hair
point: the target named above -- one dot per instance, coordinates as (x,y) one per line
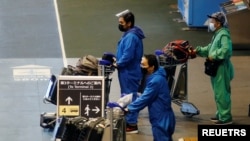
(152,61)
(129,17)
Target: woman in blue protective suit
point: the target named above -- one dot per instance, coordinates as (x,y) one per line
(156,96)
(128,58)
(220,48)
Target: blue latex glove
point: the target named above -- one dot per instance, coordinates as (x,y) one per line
(115,104)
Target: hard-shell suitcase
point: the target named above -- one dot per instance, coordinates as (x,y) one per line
(51,93)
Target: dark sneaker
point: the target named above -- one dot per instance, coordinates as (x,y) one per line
(223,122)
(214,119)
(133,129)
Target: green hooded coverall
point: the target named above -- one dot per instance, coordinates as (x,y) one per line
(221,48)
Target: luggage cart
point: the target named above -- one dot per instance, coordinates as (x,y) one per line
(116,130)
(105,68)
(117,127)
(110,128)
(174,58)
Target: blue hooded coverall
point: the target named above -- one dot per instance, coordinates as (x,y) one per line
(221,48)
(128,59)
(156,96)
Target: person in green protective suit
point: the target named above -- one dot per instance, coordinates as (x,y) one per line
(220,48)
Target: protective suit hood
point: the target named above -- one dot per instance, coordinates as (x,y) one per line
(161,71)
(137,31)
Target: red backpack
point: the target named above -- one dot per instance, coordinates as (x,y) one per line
(178,51)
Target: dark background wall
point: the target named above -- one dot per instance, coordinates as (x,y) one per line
(91,27)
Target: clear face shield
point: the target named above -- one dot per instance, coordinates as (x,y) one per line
(122,13)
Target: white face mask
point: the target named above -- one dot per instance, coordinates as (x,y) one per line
(211,27)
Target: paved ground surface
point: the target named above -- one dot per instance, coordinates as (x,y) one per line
(31,51)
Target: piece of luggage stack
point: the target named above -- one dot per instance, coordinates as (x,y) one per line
(80,129)
(48,119)
(86,66)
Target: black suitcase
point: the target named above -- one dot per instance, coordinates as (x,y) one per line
(74,127)
(51,93)
(93,130)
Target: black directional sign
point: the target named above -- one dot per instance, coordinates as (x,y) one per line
(80,96)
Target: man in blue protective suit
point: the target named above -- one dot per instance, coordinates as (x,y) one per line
(220,48)
(156,96)
(128,58)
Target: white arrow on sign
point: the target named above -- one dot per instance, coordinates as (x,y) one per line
(68,99)
(96,109)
